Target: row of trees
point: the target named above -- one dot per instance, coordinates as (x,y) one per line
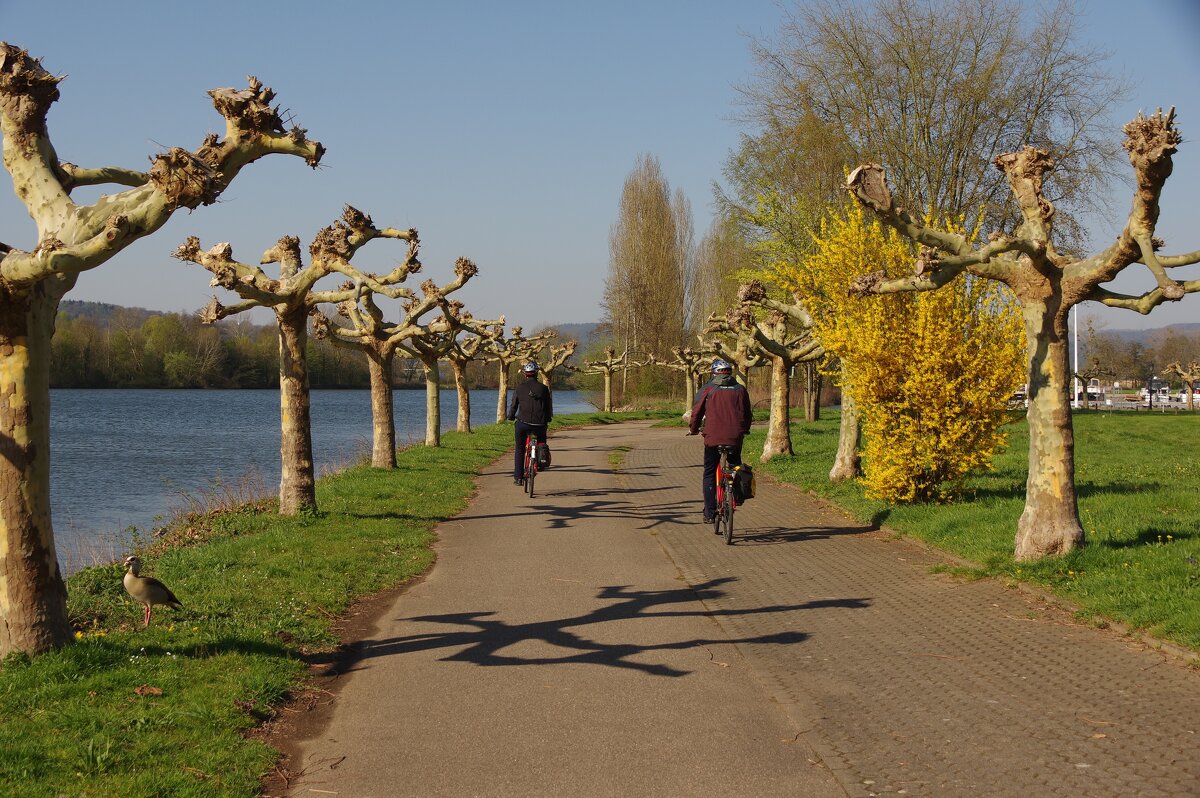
(1132,362)
(73,238)
(176,350)
(126,348)
(928,313)
(382,316)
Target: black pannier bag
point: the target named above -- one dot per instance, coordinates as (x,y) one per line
(543,456)
(743,483)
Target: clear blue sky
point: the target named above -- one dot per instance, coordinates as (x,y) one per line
(501,130)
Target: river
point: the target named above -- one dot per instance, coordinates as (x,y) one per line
(133,458)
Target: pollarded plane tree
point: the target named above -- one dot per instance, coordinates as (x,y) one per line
(726,338)
(506,350)
(72,239)
(372,334)
(292,298)
(467,348)
(553,357)
(690,362)
(1047,285)
(431,345)
(783,330)
(1094,369)
(606,367)
(1190,375)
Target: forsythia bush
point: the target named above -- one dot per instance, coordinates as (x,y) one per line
(931,371)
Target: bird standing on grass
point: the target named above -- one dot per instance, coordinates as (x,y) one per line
(147,589)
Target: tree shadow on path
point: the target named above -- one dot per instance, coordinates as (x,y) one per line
(484,639)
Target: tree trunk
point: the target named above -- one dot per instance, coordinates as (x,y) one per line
(847,464)
(1049,524)
(297,482)
(502,398)
(689,389)
(383,420)
(464,396)
(433,404)
(608,386)
(779,432)
(33,597)
(813,383)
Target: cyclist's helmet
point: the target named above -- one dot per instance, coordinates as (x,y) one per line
(722,367)
(530,368)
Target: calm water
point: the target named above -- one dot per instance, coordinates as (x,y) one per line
(122,458)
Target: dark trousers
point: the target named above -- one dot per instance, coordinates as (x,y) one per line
(523,432)
(712,459)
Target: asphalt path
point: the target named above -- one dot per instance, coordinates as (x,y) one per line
(599,640)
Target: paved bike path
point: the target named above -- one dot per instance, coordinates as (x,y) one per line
(554,650)
(599,640)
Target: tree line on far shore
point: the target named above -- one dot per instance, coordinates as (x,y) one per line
(97,345)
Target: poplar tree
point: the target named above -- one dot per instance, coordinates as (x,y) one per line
(650,263)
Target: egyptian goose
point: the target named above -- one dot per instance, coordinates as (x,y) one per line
(147,589)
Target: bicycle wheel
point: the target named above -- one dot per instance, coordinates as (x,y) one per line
(727,515)
(530,473)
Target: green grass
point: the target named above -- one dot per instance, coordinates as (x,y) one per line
(164,711)
(616,458)
(1137,477)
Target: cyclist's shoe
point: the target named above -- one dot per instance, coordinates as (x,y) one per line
(520,482)
(708,519)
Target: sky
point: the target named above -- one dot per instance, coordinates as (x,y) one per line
(502,131)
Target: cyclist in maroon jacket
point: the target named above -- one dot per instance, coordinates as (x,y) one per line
(723,408)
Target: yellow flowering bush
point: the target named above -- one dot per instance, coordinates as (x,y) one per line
(931,371)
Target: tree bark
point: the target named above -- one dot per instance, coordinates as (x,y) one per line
(689,390)
(464,396)
(608,391)
(383,420)
(297,483)
(813,383)
(779,433)
(502,398)
(33,597)
(1050,523)
(847,464)
(433,404)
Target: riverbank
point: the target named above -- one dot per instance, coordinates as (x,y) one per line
(164,710)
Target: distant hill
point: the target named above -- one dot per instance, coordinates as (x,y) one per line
(1145,336)
(103,313)
(580,332)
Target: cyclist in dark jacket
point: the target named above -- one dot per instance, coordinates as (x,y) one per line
(723,408)
(532,408)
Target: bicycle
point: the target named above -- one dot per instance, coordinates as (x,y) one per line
(723,518)
(531,467)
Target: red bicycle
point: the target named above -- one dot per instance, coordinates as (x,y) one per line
(723,518)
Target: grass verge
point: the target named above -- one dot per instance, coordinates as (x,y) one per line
(1136,476)
(164,711)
